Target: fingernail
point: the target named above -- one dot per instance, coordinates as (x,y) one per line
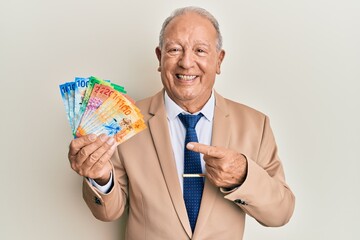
(103,137)
(92,137)
(190,146)
(110,141)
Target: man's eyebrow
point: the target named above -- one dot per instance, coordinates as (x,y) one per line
(196,43)
(201,43)
(171,42)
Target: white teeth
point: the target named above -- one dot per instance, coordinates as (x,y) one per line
(186,77)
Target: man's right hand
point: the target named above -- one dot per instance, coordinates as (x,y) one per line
(90,155)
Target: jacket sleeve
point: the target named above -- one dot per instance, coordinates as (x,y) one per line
(264,195)
(110,206)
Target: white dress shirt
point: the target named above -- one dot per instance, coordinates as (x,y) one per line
(177,131)
(177,136)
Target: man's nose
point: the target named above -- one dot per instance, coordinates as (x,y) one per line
(186,60)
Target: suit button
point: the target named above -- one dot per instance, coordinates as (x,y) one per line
(97,201)
(239,201)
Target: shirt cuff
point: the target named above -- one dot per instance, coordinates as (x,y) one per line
(103,189)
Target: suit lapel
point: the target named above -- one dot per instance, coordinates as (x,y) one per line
(220,137)
(158,126)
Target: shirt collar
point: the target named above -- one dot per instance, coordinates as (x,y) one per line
(173,110)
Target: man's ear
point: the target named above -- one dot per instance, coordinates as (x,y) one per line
(221,56)
(158,55)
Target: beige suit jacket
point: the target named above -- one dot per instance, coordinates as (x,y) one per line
(146,180)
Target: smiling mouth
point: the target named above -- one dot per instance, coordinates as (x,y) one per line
(186,77)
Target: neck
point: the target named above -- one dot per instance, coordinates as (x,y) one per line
(193,106)
(191,109)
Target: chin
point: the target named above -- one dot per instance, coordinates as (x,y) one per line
(186,95)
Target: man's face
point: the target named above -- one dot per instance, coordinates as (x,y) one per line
(189,60)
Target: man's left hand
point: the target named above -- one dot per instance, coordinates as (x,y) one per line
(225,168)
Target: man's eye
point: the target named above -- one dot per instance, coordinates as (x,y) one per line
(174,50)
(201,51)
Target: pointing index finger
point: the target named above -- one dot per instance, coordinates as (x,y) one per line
(205,149)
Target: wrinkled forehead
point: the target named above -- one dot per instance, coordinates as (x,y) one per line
(190,25)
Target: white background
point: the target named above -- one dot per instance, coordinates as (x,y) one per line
(296,61)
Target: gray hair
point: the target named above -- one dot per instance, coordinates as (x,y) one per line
(202,12)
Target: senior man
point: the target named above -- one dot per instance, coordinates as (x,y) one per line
(203,163)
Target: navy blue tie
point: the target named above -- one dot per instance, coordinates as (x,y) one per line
(193,186)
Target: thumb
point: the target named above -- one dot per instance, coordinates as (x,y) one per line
(78,143)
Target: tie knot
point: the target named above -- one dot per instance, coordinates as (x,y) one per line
(189,121)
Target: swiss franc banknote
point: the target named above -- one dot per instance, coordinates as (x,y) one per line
(67,94)
(98,106)
(81,85)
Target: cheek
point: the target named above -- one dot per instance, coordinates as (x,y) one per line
(169,62)
(209,67)
(167,70)
(167,77)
